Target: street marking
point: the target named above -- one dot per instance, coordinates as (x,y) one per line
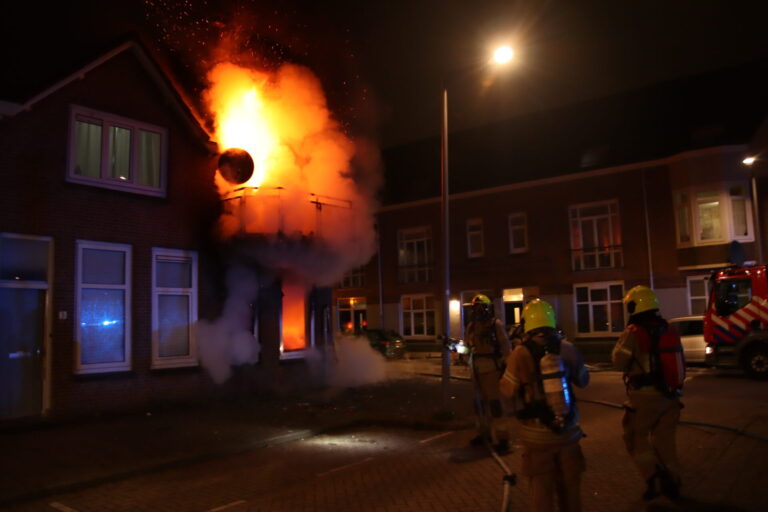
(347,466)
(438,436)
(228,505)
(62,507)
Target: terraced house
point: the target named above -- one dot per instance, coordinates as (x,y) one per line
(574,205)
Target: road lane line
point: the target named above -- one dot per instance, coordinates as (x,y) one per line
(346,466)
(228,505)
(438,436)
(61,507)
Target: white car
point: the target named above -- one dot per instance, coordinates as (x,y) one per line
(691,330)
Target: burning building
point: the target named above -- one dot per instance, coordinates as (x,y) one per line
(291,211)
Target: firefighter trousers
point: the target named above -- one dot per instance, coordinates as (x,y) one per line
(554,471)
(491,422)
(650,424)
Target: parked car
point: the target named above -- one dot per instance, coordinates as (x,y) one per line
(691,330)
(386,341)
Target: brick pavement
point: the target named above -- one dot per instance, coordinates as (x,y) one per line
(722,471)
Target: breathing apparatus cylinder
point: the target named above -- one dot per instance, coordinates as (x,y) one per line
(556,391)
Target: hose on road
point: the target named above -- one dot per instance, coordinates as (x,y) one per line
(727,428)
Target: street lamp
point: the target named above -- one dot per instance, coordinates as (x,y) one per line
(501,56)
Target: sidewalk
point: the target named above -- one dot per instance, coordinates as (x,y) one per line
(53,458)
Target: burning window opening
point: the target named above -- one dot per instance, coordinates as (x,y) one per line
(297,321)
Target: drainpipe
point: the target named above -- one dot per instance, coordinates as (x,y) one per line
(647,233)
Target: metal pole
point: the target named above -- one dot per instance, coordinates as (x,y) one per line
(446,359)
(647,233)
(382,325)
(756,215)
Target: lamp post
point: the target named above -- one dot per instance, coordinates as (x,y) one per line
(502,55)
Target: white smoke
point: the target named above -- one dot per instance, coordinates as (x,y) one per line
(356,364)
(229,341)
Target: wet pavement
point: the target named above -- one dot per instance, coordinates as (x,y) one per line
(724,470)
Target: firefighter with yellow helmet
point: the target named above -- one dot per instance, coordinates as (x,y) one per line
(488,345)
(652,409)
(540,375)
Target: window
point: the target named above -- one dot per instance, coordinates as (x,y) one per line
(475,247)
(353,314)
(414,256)
(599,308)
(174,308)
(114,152)
(355,278)
(518,233)
(418,315)
(697,294)
(103,307)
(713,215)
(731,295)
(595,236)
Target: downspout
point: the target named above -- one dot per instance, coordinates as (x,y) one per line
(647,232)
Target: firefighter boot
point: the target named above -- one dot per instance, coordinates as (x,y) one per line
(651,491)
(670,486)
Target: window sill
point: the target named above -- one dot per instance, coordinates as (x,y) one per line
(104,375)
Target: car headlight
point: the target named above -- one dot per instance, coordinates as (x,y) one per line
(461,348)
(709,350)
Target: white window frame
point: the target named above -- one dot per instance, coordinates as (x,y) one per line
(614,250)
(606,285)
(475,238)
(174,255)
(725,199)
(511,229)
(414,236)
(412,312)
(106,120)
(352,305)
(116,366)
(688,280)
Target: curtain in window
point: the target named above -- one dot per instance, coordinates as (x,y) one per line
(120,153)
(88,148)
(149,158)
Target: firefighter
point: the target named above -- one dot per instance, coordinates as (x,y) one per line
(488,345)
(651,413)
(540,374)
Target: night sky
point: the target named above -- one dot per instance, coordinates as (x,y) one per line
(382,63)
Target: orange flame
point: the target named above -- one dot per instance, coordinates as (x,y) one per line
(294,316)
(237,99)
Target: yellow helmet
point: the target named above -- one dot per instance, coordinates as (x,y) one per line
(640,299)
(481,299)
(538,313)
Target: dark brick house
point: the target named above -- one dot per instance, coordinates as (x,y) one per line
(108,257)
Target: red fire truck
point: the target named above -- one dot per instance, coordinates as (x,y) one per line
(736,320)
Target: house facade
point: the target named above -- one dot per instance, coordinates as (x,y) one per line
(108,253)
(639,189)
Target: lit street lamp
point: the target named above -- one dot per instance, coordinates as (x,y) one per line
(501,56)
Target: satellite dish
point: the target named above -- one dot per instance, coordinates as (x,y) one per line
(236,165)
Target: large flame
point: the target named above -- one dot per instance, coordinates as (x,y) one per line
(237,99)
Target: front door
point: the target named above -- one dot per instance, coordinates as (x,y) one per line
(22,313)
(24,285)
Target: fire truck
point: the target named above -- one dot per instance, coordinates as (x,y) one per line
(736,320)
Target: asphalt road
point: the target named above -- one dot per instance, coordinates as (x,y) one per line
(391,469)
